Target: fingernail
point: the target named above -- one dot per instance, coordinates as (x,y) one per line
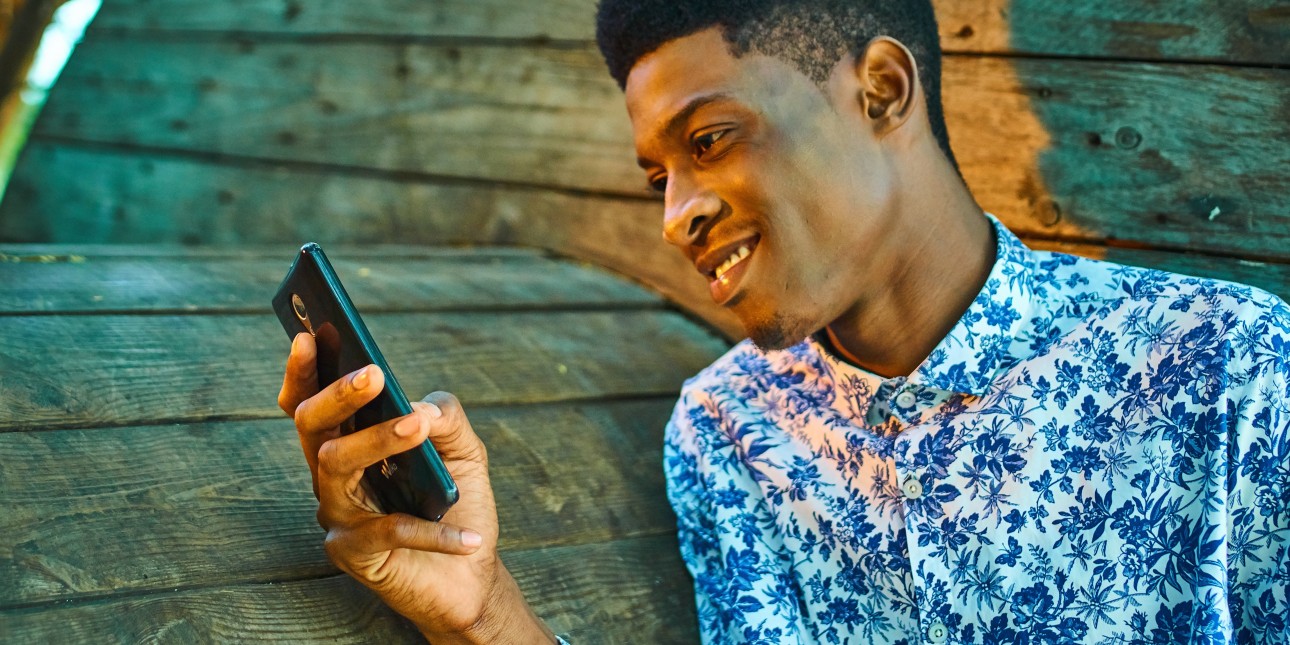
(471,538)
(295,344)
(434,411)
(408,426)
(360,378)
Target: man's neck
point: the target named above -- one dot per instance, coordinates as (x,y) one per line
(940,255)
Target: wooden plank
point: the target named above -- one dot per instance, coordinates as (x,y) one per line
(226,503)
(342,249)
(617,233)
(1072,149)
(633,591)
(122,370)
(1100,151)
(550,19)
(529,114)
(1246,31)
(620,234)
(75,283)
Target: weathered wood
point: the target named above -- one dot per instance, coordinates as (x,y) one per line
(550,19)
(120,370)
(1072,149)
(344,249)
(633,591)
(1248,31)
(622,235)
(1245,31)
(226,503)
(1094,151)
(525,114)
(76,283)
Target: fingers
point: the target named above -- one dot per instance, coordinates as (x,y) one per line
(451,432)
(340,400)
(341,461)
(301,379)
(399,531)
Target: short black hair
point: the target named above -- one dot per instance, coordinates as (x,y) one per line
(811,35)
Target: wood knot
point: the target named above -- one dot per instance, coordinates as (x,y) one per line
(1050,213)
(1128,138)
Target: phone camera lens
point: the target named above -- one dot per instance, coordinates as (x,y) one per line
(299,306)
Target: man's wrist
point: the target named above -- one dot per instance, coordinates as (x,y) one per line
(505,618)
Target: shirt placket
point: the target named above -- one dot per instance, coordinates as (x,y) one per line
(908,405)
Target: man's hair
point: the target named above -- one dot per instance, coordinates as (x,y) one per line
(810,35)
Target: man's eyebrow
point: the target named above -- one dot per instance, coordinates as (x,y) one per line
(676,120)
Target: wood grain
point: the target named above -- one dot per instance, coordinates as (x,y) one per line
(1073,149)
(624,235)
(223,503)
(550,19)
(523,114)
(76,283)
(1109,151)
(631,591)
(1240,31)
(121,370)
(621,234)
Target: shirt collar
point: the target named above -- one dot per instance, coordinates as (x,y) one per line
(987,338)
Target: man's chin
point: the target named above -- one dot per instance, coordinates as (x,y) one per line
(777,332)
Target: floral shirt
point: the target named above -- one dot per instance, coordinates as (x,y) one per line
(1094,454)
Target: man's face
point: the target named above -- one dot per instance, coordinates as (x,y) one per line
(759,167)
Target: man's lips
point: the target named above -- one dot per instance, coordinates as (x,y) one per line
(709,262)
(725,267)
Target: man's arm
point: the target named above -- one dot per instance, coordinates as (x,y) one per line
(1258,481)
(743,594)
(446,577)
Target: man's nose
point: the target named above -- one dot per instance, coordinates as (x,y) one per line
(688,210)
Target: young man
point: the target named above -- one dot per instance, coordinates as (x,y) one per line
(933,434)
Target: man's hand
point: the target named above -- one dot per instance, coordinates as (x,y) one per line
(445,576)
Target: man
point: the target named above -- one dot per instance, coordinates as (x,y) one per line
(933,434)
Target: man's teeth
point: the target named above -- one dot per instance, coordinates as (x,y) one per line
(735,258)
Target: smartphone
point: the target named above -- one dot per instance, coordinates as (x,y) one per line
(312,299)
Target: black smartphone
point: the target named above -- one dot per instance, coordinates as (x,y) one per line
(312,299)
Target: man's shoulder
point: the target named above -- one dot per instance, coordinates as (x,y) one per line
(745,365)
(1074,278)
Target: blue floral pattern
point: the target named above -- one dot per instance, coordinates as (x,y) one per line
(1095,454)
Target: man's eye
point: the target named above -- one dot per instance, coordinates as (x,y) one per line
(704,142)
(659,184)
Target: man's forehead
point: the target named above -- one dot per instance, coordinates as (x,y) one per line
(664,80)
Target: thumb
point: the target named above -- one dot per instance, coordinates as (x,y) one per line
(450,430)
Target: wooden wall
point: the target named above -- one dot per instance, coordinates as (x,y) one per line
(1152,133)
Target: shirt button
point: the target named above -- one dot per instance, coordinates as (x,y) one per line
(937,634)
(912,488)
(906,399)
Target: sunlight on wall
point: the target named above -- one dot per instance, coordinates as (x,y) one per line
(60,38)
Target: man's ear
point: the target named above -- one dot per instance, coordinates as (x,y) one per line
(888,80)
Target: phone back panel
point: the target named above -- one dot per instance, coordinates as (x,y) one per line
(312,299)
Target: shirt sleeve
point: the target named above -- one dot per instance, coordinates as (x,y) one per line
(743,592)
(1258,480)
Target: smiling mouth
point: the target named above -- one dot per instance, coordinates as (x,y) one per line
(739,252)
(726,276)
(738,256)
